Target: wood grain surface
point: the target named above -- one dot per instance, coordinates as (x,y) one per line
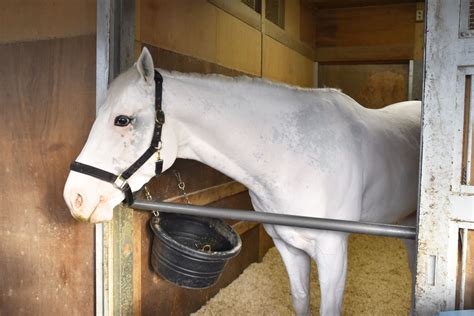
(47,105)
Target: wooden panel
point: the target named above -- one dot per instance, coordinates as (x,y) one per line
(201,30)
(469,285)
(238,44)
(48,105)
(24,20)
(187,27)
(292,17)
(373,86)
(469,291)
(283,64)
(364,29)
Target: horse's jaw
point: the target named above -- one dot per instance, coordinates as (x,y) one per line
(90,199)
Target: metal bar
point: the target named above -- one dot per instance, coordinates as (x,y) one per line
(469,135)
(102,79)
(464,247)
(114,38)
(281,219)
(102,50)
(127,34)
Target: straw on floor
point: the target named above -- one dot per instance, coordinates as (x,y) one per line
(378,283)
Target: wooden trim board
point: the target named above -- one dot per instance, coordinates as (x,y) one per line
(240,11)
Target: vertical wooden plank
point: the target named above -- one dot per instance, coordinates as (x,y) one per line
(123,260)
(419,35)
(469,290)
(265,242)
(137,264)
(47,94)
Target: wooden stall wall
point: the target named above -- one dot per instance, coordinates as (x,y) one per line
(365,33)
(365,51)
(47,105)
(372,85)
(198,36)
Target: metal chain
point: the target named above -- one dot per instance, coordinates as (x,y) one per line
(181,186)
(149,198)
(147,193)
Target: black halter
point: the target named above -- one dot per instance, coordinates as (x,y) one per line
(120,181)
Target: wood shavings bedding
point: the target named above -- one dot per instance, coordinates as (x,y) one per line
(378,283)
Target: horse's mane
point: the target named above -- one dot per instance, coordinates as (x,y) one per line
(241,79)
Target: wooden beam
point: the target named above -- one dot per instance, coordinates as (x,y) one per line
(364,53)
(243,227)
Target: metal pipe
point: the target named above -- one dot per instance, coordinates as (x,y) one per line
(102,79)
(405,232)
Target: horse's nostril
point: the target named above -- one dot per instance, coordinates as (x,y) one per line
(78,201)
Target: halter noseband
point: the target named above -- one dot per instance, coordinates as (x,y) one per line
(121,181)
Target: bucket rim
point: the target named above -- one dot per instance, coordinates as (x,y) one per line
(161,234)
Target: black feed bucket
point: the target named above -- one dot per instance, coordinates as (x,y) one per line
(192,251)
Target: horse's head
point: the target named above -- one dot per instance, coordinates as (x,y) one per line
(121,133)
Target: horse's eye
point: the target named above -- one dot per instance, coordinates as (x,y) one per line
(122,120)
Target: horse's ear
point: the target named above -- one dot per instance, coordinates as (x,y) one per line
(145,66)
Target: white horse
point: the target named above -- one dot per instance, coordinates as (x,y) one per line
(309,152)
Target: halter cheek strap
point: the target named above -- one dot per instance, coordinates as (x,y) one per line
(121,181)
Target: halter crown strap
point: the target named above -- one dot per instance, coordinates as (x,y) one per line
(120,181)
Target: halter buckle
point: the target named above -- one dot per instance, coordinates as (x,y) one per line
(158,147)
(158,151)
(160,117)
(120,182)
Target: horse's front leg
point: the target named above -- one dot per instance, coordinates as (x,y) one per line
(297,264)
(330,255)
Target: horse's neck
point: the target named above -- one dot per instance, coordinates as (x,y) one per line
(216,128)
